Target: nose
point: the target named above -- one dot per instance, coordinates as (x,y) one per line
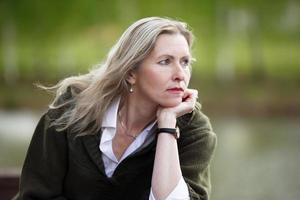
(178,73)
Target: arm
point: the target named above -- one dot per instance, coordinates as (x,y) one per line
(45,164)
(196,147)
(180,192)
(166,170)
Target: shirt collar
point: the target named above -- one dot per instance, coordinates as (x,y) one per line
(110,116)
(150,126)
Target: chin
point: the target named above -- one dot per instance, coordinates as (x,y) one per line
(171,102)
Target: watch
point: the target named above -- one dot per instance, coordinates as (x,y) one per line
(174,131)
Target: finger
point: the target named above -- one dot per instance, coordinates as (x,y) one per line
(194,93)
(192,100)
(191,95)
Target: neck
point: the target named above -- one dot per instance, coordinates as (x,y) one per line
(137,113)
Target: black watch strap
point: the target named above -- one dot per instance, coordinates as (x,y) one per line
(173,131)
(167,130)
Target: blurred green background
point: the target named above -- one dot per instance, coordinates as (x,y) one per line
(247,73)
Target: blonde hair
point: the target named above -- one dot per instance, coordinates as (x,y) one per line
(92,93)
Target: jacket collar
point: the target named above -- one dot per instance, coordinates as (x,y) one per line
(91,143)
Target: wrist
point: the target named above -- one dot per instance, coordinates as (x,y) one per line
(171,131)
(166,120)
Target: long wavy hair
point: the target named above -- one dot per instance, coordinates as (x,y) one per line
(92,93)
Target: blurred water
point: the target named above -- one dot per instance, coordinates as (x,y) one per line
(255,158)
(16,128)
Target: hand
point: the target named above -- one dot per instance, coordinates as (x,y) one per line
(166,117)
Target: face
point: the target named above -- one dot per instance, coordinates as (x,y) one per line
(164,74)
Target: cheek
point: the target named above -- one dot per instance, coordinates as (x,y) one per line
(154,80)
(154,88)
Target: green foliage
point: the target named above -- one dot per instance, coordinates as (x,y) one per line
(47,40)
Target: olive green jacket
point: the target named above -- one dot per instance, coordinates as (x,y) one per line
(61,166)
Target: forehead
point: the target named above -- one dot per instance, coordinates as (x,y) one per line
(170,44)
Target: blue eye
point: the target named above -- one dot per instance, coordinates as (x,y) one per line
(185,62)
(164,62)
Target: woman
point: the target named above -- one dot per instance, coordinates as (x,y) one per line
(111,134)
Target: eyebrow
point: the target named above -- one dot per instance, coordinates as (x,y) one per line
(172,57)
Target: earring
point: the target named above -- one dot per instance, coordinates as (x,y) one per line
(131,89)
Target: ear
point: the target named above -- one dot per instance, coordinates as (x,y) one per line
(131,78)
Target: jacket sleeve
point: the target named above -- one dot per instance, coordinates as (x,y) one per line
(45,164)
(196,147)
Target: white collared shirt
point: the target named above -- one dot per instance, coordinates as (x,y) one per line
(110,161)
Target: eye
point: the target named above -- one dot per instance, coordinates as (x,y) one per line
(185,62)
(164,62)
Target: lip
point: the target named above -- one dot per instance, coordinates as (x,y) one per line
(175,90)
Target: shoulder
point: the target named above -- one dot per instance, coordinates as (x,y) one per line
(195,119)
(198,141)
(62,103)
(196,126)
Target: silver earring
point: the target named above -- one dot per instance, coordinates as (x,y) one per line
(131,89)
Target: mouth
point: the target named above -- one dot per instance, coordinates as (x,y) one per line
(175,90)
